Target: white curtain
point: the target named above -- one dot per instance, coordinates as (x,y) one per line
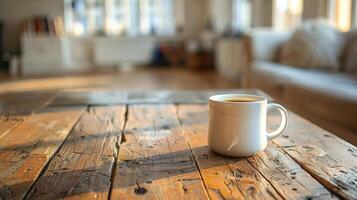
(242,14)
(287,13)
(340,13)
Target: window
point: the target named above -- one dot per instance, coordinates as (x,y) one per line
(340,13)
(118,17)
(354,11)
(152,16)
(287,13)
(122,17)
(241,14)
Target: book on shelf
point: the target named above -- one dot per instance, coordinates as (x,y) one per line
(43,25)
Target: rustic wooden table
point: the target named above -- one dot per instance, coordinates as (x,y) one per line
(153,145)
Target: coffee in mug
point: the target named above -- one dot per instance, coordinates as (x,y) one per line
(237,100)
(237,124)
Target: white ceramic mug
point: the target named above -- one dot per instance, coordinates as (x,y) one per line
(239,128)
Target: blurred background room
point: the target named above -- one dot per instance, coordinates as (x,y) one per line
(303,53)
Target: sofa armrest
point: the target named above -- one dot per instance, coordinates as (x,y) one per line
(261,44)
(265,43)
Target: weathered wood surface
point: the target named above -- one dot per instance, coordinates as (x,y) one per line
(155,161)
(25,150)
(271,174)
(103,97)
(24,103)
(329,159)
(287,177)
(7,124)
(82,168)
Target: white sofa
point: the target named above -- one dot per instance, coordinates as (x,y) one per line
(328,99)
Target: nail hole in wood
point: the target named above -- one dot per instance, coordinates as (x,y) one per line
(140,190)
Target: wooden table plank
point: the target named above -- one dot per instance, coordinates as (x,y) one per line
(28,147)
(329,159)
(287,176)
(263,176)
(83,166)
(163,155)
(155,161)
(111,97)
(24,103)
(7,124)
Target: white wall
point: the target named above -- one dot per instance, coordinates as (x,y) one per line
(13,12)
(314,9)
(196,16)
(262,13)
(179,12)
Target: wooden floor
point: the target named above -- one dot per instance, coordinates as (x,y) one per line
(177,78)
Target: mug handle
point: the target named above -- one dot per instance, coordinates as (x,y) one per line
(284,120)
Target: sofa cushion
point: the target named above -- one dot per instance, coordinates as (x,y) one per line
(338,85)
(314,44)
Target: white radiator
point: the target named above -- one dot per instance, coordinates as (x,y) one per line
(112,51)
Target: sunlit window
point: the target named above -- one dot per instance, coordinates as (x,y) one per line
(287,13)
(115,23)
(354,13)
(340,13)
(241,14)
(156,16)
(118,17)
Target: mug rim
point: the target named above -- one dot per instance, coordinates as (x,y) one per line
(214,98)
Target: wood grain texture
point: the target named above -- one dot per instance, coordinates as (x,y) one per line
(289,179)
(82,168)
(155,161)
(28,147)
(24,103)
(7,124)
(329,159)
(111,97)
(225,178)
(163,153)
